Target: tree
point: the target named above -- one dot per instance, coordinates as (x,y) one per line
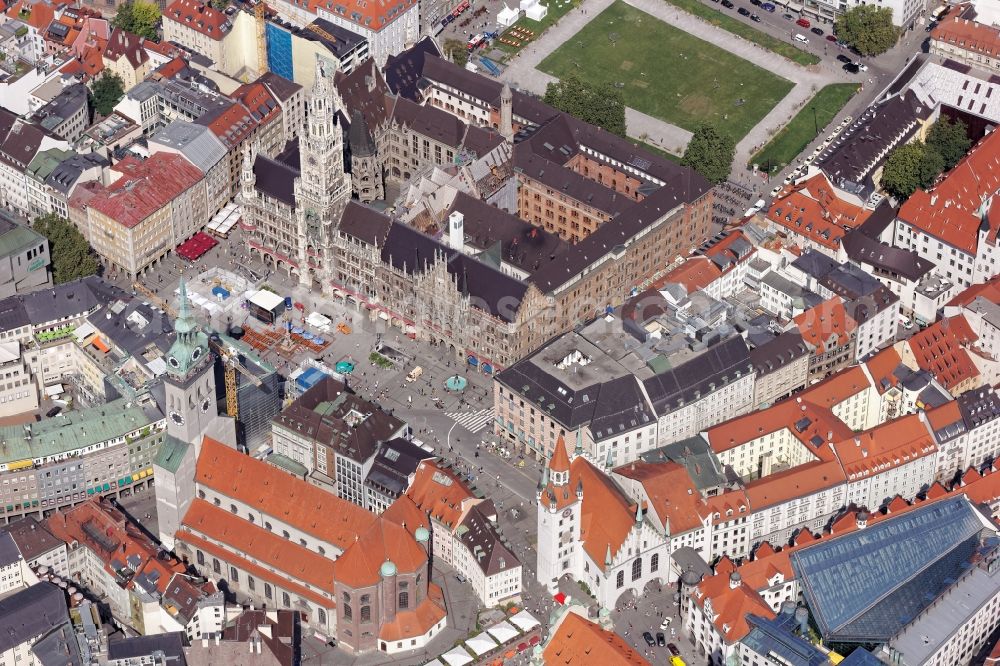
(72,256)
(950,140)
(911,166)
(106,92)
(139,18)
(457,51)
(596,103)
(710,153)
(868,29)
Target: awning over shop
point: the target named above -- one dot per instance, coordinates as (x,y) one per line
(54,390)
(383,315)
(84,331)
(100,345)
(473,361)
(196,246)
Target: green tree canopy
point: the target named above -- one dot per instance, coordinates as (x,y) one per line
(710,153)
(599,104)
(949,139)
(105,92)
(868,29)
(72,256)
(457,50)
(139,18)
(911,166)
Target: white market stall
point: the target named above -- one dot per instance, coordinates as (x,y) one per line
(507,16)
(536,11)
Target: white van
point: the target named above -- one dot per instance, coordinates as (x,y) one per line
(414,374)
(801,38)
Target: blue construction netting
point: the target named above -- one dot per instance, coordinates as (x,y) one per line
(279,51)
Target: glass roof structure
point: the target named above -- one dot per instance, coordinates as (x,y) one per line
(865,586)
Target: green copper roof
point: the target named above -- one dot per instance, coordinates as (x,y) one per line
(72,430)
(170,454)
(46,161)
(19,239)
(287,464)
(191,344)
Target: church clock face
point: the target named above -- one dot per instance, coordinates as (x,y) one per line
(196,354)
(205,405)
(177,418)
(174,363)
(311,161)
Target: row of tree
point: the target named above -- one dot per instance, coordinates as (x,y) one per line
(72,257)
(918,164)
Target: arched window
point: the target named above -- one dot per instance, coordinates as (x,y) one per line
(654,562)
(621,579)
(347,598)
(251,518)
(216,567)
(234,575)
(200,557)
(366,599)
(232,508)
(217,502)
(637,568)
(201,494)
(268,594)
(348,613)
(404,600)
(285,599)
(321,614)
(285,534)
(366,613)
(267,526)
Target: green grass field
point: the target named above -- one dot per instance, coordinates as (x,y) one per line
(667,73)
(557,9)
(801,130)
(732,24)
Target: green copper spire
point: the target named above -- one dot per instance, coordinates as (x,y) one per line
(191,346)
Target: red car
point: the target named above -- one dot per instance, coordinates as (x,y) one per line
(804,22)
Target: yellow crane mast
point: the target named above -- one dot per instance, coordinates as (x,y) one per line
(258,11)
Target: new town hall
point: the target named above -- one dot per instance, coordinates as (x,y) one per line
(510,222)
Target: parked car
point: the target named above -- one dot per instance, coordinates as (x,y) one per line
(799,37)
(727,4)
(788,17)
(804,22)
(666,622)
(743,11)
(831,38)
(817,31)
(755,3)
(648,637)
(774,192)
(851,67)
(673,649)
(661,640)
(755,18)
(842,58)
(768,7)
(862,66)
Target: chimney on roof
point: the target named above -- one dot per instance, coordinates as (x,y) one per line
(862,519)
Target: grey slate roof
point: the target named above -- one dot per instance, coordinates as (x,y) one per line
(59,647)
(483,540)
(195,142)
(718,366)
(71,298)
(395,461)
(429,121)
(900,261)
(170,644)
(410,251)
(64,176)
(779,638)
(364,223)
(9,553)
(778,352)
(31,537)
(279,86)
(403,71)
(64,105)
(31,613)
(275,179)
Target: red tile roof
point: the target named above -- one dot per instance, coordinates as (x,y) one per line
(145,187)
(123,44)
(812,209)
(204,526)
(826,326)
(383,541)
(274,492)
(695,274)
(881,368)
(968,35)
(940,350)
(560,459)
(990,290)
(369,15)
(441,494)
(949,211)
(672,494)
(40,14)
(579,642)
(231,125)
(886,446)
(416,622)
(200,17)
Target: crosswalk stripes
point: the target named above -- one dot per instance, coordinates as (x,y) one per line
(472,421)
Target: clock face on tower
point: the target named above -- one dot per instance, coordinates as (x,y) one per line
(196,354)
(205,405)
(311,161)
(177,418)
(174,363)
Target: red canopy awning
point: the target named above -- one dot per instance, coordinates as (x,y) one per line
(560,598)
(196,246)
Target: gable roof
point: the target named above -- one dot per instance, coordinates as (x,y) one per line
(274,492)
(579,642)
(200,17)
(941,350)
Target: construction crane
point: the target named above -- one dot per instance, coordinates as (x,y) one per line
(258,11)
(322,33)
(230,357)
